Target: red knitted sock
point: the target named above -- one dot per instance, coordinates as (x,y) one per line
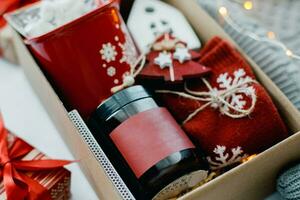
(226,139)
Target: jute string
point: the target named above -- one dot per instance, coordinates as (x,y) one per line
(136,68)
(217,98)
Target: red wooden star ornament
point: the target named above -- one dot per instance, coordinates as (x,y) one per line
(171,61)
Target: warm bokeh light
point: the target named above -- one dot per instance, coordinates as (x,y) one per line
(249,158)
(271,35)
(248,5)
(223,11)
(289,53)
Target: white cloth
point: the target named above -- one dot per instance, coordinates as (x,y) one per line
(55,13)
(25,116)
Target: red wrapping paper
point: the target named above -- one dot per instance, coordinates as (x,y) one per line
(27,173)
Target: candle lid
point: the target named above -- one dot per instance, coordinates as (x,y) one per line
(119,100)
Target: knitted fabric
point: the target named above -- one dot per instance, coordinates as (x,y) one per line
(284,71)
(288,183)
(273,15)
(224,139)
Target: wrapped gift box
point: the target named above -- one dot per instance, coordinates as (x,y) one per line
(254,179)
(56,181)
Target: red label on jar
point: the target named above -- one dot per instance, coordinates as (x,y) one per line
(148,137)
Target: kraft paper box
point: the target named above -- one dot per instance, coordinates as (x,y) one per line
(254,179)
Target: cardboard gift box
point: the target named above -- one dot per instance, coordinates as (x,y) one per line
(254,179)
(53,182)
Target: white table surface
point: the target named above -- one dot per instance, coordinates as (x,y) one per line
(26,117)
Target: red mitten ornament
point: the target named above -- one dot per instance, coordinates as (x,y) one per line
(170,61)
(229,114)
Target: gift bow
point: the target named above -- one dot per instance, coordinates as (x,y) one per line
(217,98)
(18,185)
(136,68)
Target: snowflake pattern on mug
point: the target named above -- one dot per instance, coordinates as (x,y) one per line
(108,52)
(111,71)
(129,54)
(223,158)
(121,51)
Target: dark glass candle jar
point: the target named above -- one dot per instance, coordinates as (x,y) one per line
(152,144)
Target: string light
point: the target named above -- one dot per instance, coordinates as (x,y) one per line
(289,53)
(223,11)
(271,35)
(248,5)
(249,158)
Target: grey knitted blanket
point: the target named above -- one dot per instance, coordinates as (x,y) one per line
(279,16)
(288,183)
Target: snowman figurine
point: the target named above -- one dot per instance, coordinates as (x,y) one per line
(149,19)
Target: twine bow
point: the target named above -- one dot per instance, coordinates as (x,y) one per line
(17,184)
(129,80)
(164,46)
(218,99)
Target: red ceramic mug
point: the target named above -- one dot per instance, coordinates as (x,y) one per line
(85,58)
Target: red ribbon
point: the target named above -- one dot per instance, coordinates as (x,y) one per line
(18,185)
(10,5)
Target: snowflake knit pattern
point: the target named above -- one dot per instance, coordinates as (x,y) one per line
(224,139)
(288,183)
(285,72)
